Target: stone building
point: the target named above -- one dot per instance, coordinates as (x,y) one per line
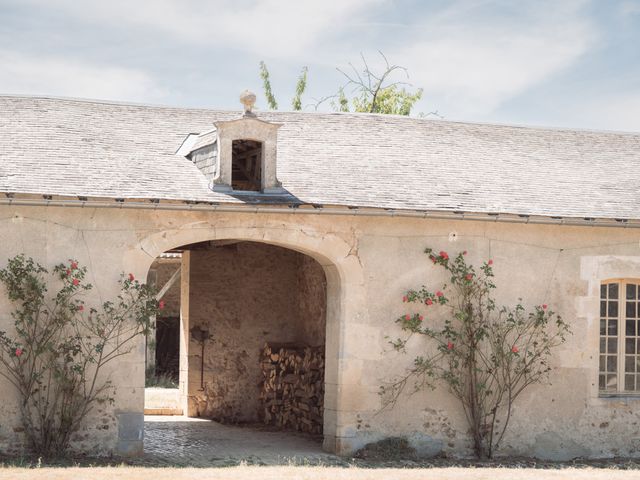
(308,228)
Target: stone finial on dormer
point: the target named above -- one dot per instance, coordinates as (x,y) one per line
(248,99)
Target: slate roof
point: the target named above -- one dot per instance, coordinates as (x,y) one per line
(98,149)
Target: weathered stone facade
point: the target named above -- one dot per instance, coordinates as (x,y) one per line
(368,263)
(245,294)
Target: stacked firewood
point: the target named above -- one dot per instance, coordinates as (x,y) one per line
(292,393)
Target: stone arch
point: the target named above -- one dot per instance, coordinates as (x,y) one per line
(342,271)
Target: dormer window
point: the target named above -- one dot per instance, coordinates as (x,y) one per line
(246,165)
(239,155)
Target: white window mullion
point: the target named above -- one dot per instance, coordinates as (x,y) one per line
(621,336)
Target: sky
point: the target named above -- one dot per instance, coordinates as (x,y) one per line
(564,63)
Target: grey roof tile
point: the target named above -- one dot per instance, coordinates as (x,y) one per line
(99,149)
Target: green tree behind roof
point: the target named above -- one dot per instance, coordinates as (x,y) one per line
(364,90)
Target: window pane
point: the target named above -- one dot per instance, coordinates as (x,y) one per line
(612,345)
(612,363)
(630,329)
(603,291)
(631,309)
(613,327)
(631,292)
(601,382)
(630,363)
(613,308)
(628,382)
(602,363)
(612,382)
(630,346)
(603,308)
(613,290)
(603,345)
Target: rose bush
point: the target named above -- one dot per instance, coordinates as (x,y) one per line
(485,355)
(56,355)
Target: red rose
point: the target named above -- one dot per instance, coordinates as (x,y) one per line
(444,255)
(428,301)
(76,282)
(490,262)
(404,299)
(449,346)
(469,276)
(68,272)
(421,318)
(131,277)
(464,253)
(432,258)
(161,304)
(514,349)
(407,317)
(18,352)
(544,306)
(439,294)
(80,308)
(74,265)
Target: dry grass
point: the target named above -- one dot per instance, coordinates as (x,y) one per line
(311,473)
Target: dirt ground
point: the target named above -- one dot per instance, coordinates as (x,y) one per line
(312,473)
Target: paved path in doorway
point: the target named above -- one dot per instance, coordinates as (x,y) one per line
(183,441)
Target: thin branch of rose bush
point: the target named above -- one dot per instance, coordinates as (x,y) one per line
(486,356)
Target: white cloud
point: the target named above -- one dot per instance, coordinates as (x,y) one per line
(64,77)
(273,28)
(619,111)
(473,64)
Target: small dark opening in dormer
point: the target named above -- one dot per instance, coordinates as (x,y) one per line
(246,165)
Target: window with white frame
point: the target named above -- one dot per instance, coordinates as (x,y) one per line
(619,371)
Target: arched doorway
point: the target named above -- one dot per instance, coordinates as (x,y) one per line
(205,387)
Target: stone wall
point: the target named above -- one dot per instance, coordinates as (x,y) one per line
(369,263)
(246,294)
(312,301)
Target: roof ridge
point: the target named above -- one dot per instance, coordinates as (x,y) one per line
(548,128)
